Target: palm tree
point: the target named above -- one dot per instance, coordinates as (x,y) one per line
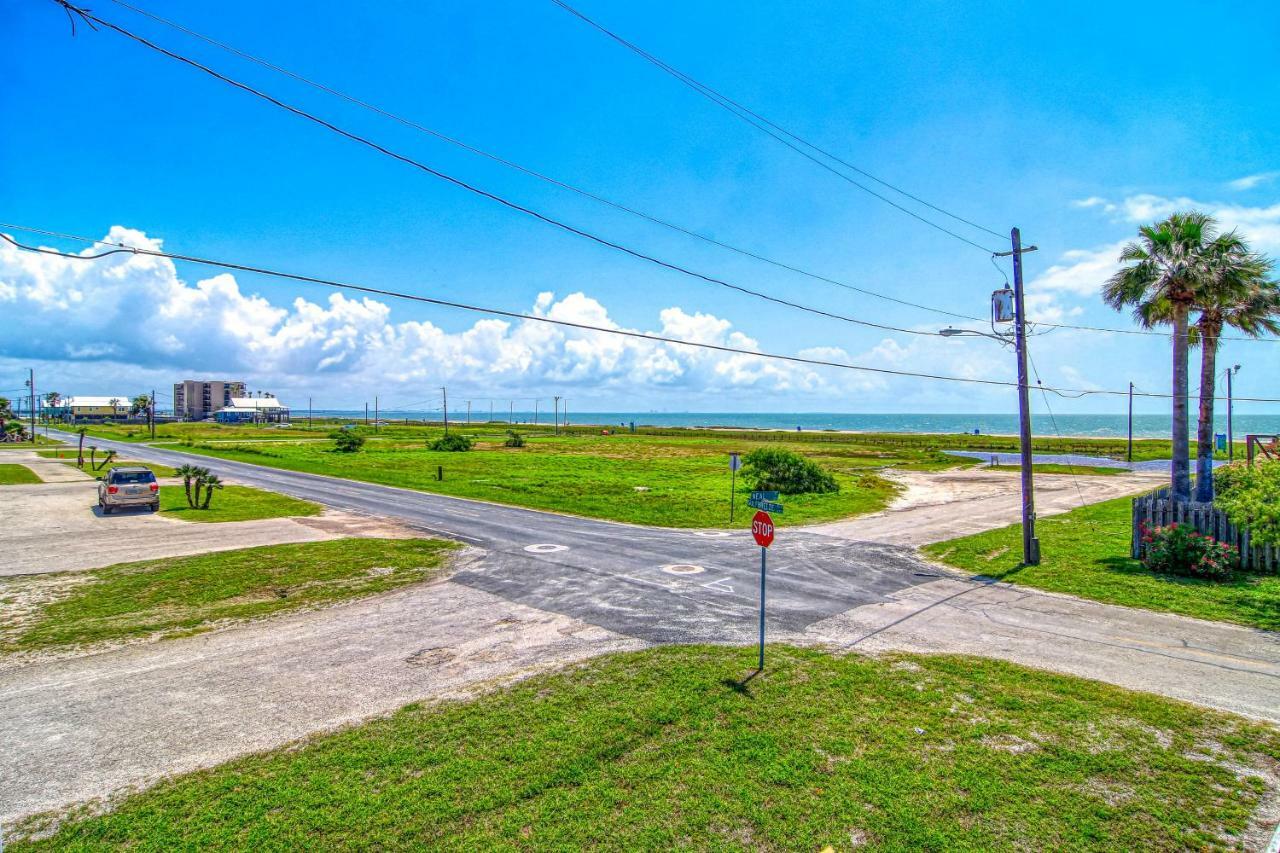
(211,482)
(80,453)
(1242,299)
(188,473)
(1164,272)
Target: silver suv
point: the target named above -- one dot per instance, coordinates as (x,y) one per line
(125,487)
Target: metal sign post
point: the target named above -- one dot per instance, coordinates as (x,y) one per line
(762,532)
(735,462)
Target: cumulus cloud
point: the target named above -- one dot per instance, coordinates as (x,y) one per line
(136,310)
(1079,272)
(1260,225)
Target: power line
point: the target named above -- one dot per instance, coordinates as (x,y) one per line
(533,173)
(498,312)
(354,137)
(782,135)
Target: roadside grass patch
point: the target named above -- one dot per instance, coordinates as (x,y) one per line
(17,475)
(664,749)
(193,594)
(235,503)
(68,457)
(1085,552)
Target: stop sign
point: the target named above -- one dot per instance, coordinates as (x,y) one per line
(762,529)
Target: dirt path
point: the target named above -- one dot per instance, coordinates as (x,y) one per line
(938,505)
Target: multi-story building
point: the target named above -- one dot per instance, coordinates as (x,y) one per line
(195,400)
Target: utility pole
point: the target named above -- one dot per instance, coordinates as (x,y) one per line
(535,411)
(468,413)
(511,415)
(1131,422)
(375,412)
(557,415)
(151,415)
(308,414)
(566,412)
(1231,436)
(1030,544)
(366,414)
(444,395)
(31,380)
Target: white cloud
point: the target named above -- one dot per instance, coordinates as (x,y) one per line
(135,310)
(1079,272)
(1248,182)
(1260,225)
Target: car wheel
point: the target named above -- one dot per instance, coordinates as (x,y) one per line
(106,510)
(155,507)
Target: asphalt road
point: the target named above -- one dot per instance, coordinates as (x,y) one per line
(654,584)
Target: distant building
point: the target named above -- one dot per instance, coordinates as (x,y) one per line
(81,407)
(257,410)
(194,400)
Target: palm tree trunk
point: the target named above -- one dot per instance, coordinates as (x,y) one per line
(1181,466)
(1204,431)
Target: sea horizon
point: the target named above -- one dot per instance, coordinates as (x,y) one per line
(1067,425)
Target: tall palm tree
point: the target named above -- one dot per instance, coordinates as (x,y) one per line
(1240,298)
(1165,269)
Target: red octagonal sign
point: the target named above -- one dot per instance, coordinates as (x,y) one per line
(762,529)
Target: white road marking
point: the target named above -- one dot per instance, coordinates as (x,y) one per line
(545,548)
(719,585)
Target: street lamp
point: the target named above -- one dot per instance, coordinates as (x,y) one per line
(952,333)
(1231,443)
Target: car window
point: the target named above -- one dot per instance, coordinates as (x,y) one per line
(129,477)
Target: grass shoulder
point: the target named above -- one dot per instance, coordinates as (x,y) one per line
(662,749)
(17,475)
(68,457)
(185,595)
(1085,552)
(235,503)
(1057,468)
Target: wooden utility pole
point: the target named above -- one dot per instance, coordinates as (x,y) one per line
(444,396)
(375,412)
(1231,436)
(468,413)
(151,414)
(32,382)
(1030,544)
(557,415)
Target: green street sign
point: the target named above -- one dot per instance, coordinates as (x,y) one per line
(767,506)
(764,496)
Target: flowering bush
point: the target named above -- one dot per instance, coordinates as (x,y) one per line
(1179,550)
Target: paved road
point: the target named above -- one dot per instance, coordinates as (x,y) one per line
(608,574)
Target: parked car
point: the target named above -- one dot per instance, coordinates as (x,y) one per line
(126,487)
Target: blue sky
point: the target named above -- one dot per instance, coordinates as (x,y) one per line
(1072,123)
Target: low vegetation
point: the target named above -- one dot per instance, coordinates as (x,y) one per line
(1056,468)
(664,749)
(347,440)
(184,595)
(1250,496)
(1085,552)
(454,442)
(774,469)
(17,475)
(68,457)
(238,503)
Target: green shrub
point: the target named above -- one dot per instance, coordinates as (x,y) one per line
(346,440)
(514,439)
(1251,498)
(1179,550)
(454,442)
(775,470)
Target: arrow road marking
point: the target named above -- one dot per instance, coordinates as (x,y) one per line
(719,585)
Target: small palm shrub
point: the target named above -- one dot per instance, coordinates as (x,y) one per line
(514,439)
(454,442)
(772,469)
(1180,550)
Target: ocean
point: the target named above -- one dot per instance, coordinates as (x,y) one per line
(1092,426)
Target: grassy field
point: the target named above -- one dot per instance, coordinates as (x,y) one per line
(26,445)
(185,595)
(673,480)
(1085,552)
(235,503)
(662,749)
(17,475)
(1055,468)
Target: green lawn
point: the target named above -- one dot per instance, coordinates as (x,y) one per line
(1056,468)
(655,480)
(27,445)
(662,749)
(184,595)
(17,475)
(235,503)
(1085,552)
